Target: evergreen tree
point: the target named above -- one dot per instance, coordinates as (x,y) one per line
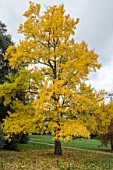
(5,71)
(5,41)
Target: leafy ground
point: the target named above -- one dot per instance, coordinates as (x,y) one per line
(40,157)
(94,144)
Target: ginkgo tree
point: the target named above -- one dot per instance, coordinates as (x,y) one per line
(53,71)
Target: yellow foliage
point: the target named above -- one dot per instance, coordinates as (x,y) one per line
(53,69)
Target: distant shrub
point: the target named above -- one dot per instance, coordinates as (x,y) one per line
(24,138)
(16,139)
(13,144)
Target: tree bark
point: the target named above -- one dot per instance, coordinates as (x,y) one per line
(110,130)
(112,142)
(58,148)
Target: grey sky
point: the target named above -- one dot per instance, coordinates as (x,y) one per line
(95,27)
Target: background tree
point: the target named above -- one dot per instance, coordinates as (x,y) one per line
(5,42)
(5,72)
(5,69)
(106,135)
(57,68)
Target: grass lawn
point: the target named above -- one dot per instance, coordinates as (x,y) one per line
(40,157)
(78,143)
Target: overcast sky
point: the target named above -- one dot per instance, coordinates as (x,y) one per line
(95,27)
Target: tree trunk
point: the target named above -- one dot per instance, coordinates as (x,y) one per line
(112,142)
(111,133)
(58,149)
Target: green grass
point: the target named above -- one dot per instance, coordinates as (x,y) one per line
(94,144)
(33,146)
(40,157)
(42,138)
